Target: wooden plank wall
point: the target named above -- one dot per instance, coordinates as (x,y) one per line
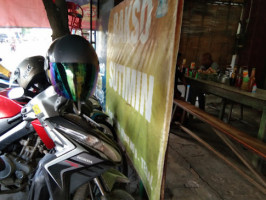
(209,28)
(253,52)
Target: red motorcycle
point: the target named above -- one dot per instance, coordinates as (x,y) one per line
(10,117)
(23,142)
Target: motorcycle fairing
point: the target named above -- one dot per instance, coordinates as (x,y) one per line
(74,161)
(42,134)
(74,166)
(83,163)
(45,104)
(63,175)
(75,125)
(8,107)
(6,124)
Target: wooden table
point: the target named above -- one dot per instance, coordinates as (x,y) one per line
(255,100)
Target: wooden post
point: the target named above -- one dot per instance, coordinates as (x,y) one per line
(91,21)
(262,130)
(221,114)
(57,16)
(164,172)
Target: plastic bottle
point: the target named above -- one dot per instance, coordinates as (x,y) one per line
(252,80)
(183,66)
(245,81)
(254,88)
(239,78)
(233,77)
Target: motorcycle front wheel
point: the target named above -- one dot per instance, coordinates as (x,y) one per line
(89,192)
(118,195)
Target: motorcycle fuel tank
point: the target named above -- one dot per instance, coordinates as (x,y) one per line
(8,107)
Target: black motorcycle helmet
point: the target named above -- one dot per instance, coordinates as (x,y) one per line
(30,73)
(72,67)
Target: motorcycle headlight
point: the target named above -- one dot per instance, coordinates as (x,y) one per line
(93,142)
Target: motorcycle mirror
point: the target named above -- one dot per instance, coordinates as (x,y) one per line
(14,76)
(16,93)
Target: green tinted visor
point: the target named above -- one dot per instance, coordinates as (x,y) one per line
(75,81)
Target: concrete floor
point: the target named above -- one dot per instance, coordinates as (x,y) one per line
(194,173)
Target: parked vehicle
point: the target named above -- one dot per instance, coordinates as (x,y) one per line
(20,146)
(5,82)
(3,38)
(23,140)
(4,76)
(82,161)
(83,156)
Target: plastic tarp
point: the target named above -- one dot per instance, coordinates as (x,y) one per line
(23,13)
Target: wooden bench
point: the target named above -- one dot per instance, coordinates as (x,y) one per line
(255,100)
(247,141)
(223,130)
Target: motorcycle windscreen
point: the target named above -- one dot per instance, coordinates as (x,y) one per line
(75,81)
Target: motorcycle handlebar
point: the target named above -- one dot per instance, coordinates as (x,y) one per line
(12,119)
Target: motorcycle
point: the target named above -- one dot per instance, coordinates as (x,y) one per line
(23,141)
(4,78)
(81,163)
(53,151)
(22,144)
(4,82)
(84,159)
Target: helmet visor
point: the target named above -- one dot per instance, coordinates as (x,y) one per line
(74,81)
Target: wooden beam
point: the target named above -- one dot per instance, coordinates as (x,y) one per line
(231,164)
(249,142)
(245,161)
(57,16)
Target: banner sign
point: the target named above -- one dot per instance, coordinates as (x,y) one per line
(143,39)
(87,16)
